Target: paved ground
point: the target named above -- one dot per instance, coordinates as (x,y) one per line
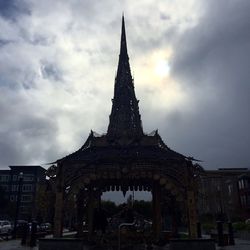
(15,245)
(239,245)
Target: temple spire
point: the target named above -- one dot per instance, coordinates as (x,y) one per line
(125,119)
(123,47)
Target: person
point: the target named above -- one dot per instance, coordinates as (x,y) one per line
(25,231)
(33,234)
(100,220)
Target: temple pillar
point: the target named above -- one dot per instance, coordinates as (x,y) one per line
(99,198)
(90,213)
(80,214)
(192,214)
(174,221)
(157,218)
(58,219)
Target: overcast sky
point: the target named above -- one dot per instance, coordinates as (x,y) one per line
(190,60)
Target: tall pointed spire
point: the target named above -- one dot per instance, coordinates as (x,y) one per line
(125,119)
(123,48)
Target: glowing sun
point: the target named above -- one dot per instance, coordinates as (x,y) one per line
(162,68)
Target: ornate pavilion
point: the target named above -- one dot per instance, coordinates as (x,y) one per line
(125,158)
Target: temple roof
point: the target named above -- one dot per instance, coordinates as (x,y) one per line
(125,139)
(98,149)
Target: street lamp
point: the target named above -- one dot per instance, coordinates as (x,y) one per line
(20,181)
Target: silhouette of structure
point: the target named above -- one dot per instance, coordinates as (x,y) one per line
(125,159)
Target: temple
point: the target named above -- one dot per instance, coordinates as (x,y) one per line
(125,158)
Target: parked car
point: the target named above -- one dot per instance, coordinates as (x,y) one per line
(5,227)
(19,227)
(45,227)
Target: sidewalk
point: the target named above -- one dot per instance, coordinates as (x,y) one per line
(239,245)
(15,245)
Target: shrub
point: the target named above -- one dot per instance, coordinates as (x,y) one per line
(239,226)
(207,227)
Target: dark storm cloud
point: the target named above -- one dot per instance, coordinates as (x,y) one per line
(212,62)
(4,42)
(25,134)
(11,9)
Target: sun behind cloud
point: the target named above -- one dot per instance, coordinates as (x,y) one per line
(162,68)
(160,62)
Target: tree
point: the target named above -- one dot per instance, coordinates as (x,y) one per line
(45,199)
(144,208)
(110,207)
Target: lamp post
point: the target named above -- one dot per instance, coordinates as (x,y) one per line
(20,181)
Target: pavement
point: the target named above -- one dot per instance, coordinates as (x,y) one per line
(15,245)
(239,245)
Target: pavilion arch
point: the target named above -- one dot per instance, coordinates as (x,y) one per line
(89,185)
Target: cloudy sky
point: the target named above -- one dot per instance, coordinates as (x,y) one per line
(190,60)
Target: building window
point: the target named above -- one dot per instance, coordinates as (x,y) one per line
(14,177)
(28,177)
(26,198)
(14,188)
(242,184)
(243,200)
(27,188)
(13,198)
(229,190)
(4,178)
(25,210)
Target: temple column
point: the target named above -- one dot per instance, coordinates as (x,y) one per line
(90,209)
(174,219)
(157,219)
(58,219)
(192,214)
(80,214)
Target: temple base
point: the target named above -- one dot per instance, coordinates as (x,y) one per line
(63,244)
(192,244)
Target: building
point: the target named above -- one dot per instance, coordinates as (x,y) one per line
(244,194)
(220,193)
(32,177)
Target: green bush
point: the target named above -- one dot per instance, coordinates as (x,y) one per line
(207,227)
(183,236)
(239,226)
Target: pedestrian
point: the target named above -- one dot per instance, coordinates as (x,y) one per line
(25,231)
(100,220)
(33,234)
